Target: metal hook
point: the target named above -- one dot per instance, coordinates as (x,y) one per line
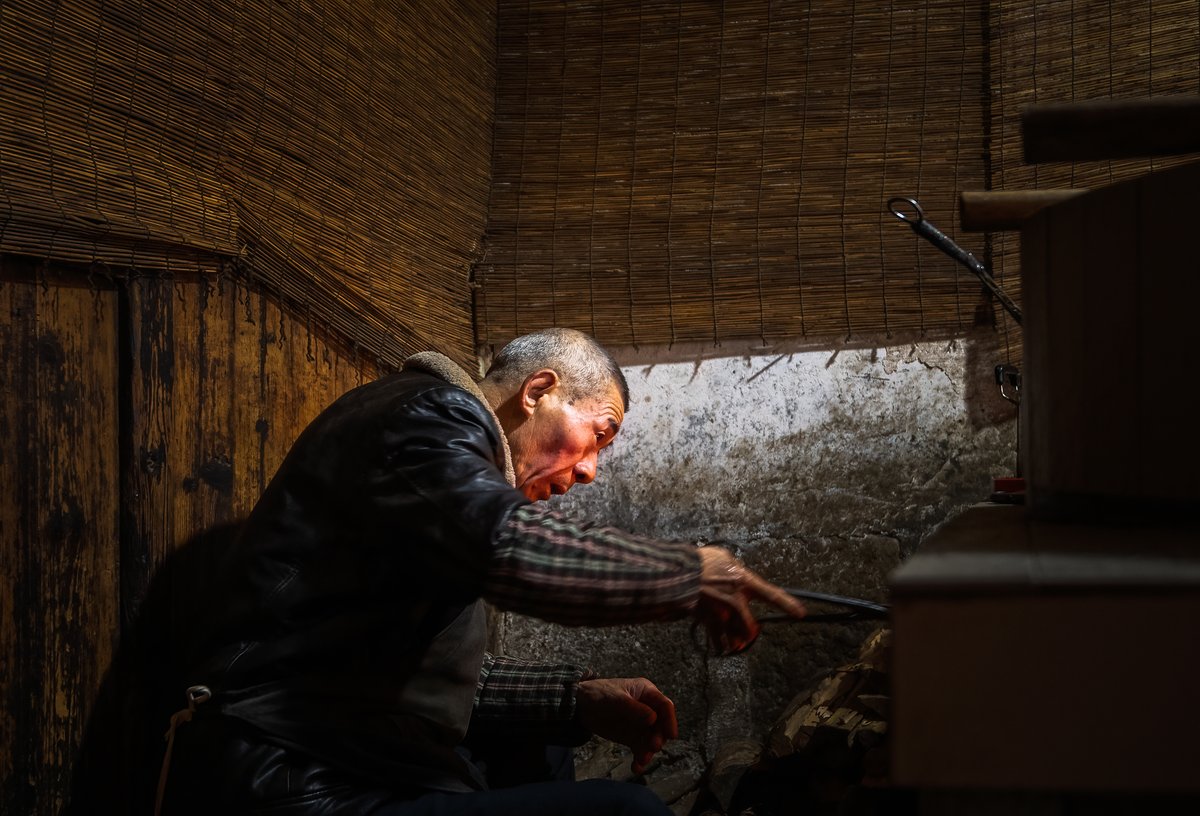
(925,228)
(1010,376)
(894,209)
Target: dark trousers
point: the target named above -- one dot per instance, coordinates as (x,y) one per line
(220,767)
(593,797)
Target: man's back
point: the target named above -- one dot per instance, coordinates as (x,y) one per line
(347,624)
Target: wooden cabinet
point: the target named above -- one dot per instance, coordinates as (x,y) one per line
(1040,656)
(1111,288)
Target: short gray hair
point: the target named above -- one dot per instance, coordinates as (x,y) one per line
(584,367)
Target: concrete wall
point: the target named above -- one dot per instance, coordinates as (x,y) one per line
(822,469)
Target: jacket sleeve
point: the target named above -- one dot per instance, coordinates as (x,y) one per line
(433,493)
(546,565)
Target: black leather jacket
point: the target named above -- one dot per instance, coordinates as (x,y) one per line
(350,627)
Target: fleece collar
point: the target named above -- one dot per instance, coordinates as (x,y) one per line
(441,366)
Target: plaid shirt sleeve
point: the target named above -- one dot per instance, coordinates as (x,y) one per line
(551,567)
(556,569)
(527,696)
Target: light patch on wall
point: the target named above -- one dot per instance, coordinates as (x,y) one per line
(814,443)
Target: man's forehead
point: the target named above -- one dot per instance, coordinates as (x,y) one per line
(617,407)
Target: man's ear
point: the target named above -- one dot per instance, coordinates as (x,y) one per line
(536,385)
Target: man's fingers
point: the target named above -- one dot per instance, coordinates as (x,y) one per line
(643,713)
(744,626)
(665,723)
(725,576)
(733,636)
(726,588)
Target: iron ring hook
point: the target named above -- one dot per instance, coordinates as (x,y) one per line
(892,207)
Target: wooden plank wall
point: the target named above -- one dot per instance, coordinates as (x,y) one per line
(134,416)
(58,529)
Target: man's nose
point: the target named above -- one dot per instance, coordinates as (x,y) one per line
(585,471)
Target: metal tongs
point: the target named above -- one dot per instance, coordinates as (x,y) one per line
(855,609)
(924,227)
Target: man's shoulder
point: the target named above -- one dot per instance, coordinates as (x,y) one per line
(393,391)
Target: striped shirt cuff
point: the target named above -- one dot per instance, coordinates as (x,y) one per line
(528,697)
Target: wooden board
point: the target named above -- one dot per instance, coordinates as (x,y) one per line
(1059,692)
(1039,656)
(58,528)
(1111,281)
(1100,129)
(223,380)
(135,417)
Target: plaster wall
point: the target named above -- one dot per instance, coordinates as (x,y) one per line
(823,469)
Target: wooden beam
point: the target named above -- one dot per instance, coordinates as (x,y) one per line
(1106,129)
(997,210)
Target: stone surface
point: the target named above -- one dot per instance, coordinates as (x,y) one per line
(822,469)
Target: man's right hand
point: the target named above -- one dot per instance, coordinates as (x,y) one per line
(631,711)
(726,588)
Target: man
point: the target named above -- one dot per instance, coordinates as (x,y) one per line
(342,669)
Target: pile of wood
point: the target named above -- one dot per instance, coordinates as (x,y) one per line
(827,753)
(849,708)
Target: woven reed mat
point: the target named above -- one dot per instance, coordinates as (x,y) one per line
(668,172)
(337,151)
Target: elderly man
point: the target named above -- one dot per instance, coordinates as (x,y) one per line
(342,667)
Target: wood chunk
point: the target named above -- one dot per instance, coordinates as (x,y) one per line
(851,699)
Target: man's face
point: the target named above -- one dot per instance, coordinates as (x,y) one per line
(558,444)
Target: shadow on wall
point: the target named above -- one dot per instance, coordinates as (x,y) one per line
(119,759)
(985,406)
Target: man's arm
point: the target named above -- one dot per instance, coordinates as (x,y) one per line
(549,566)
(563,705)
(546,565)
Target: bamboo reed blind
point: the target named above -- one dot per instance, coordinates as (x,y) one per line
(335,151)
(700,171)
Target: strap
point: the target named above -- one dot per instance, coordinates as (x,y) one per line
(196,695)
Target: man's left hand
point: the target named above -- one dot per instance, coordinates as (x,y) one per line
(631,711)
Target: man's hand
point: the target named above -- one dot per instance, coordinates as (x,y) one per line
(726,588)
(631,711)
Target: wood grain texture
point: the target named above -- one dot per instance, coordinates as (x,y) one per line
(223,380)
(60,530)
(17,529)
(135,417)
(993,210)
